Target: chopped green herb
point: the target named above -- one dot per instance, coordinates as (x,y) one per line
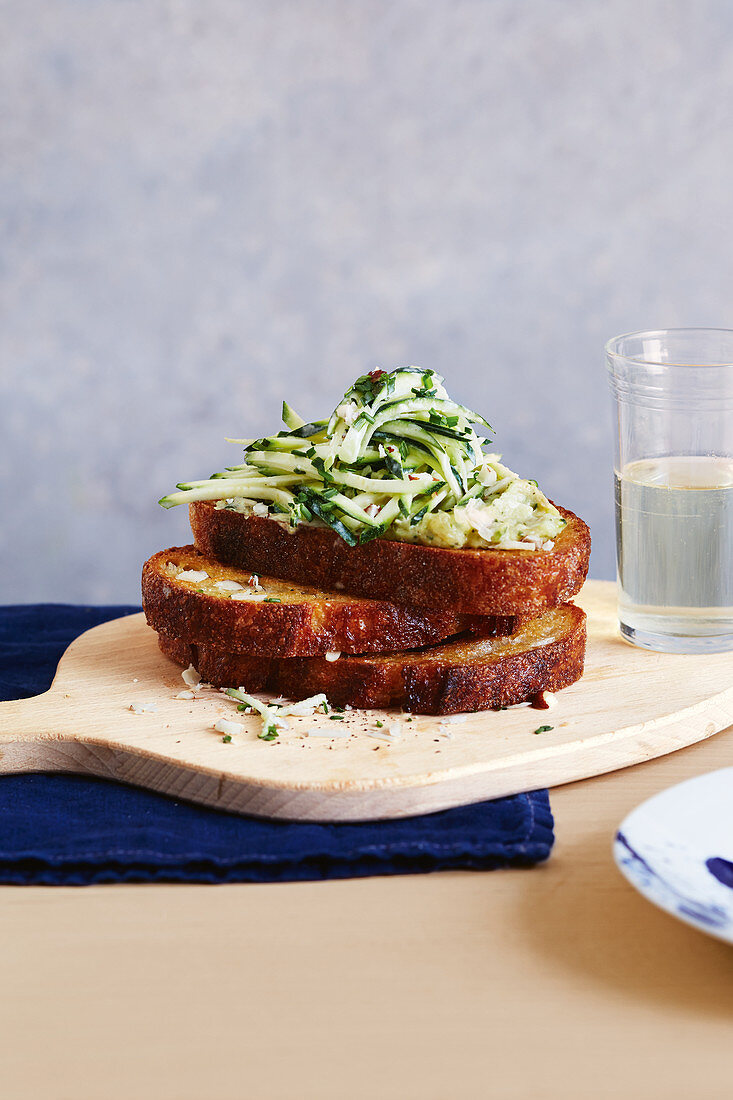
(272,599)
(227,738)
(379,725)
(267,735)
(544,729)
(320,465)
(336,717)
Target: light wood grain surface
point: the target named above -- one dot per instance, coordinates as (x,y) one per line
(556,982)
(631,705)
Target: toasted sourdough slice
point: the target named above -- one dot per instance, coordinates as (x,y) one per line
(194,598)
(465,674)
(470,582)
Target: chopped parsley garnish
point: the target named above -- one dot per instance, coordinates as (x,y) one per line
(336,717)
(544,729)
(227,738)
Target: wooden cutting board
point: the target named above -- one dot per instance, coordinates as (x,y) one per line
(631,705)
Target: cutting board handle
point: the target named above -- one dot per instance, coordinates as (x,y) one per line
(27,731)
(23,717)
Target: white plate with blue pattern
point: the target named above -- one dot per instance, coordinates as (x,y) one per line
(677,850)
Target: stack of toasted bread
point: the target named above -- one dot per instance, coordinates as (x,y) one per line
(295,610)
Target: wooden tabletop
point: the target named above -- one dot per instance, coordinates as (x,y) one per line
(560,981)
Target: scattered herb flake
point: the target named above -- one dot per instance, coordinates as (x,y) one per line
(544,729)
(227,738)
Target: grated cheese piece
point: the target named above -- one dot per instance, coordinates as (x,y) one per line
(333,655)
(191,677)
(391,734)
(544,700)
(225,726)
(143,708)
(193,575)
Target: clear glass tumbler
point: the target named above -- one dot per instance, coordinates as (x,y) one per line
(673,404)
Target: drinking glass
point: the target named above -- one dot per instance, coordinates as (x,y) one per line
(673,405)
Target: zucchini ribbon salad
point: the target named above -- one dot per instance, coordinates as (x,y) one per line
(397,459)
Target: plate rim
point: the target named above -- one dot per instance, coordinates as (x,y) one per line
(620,845)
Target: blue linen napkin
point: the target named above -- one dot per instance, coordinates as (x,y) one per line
(73,830)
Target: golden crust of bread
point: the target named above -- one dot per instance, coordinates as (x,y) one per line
(470,582)
(464,674)
(304,621)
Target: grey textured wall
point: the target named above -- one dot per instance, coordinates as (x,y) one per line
(207,207)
